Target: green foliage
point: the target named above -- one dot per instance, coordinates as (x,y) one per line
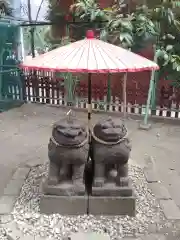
(5,8)
(88,10)
(39,37)
(122,28)
(119,31)
(145,31)
(170,64)
(133,31)
(90,14)
(54,14)
(159,26)
(70,82)
(167,45)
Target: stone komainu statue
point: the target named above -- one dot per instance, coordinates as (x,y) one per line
(111,150)
(68,152)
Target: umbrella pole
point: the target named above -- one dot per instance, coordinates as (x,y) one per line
(89,106)
(89,178)
(124,95)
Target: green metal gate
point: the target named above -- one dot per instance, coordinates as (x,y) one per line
(11,89)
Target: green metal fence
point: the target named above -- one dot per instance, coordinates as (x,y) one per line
(11,88)
(10,78)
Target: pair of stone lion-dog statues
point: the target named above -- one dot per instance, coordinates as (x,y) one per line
(68,152)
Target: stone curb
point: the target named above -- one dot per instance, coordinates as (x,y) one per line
(13,233)
(12,190)
(151,175)
(152,237)
(170,209)
(85,236)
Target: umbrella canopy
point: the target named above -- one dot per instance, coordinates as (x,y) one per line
(91,56)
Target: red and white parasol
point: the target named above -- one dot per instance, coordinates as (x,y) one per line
(90,56)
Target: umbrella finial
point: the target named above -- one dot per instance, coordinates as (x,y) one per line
(90,34)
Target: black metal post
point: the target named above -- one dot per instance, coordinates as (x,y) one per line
(34,79)
(89,173)
(31,30)
(89,105)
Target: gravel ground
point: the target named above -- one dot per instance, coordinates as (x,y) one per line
(4,219)
(30,221)
(3,235)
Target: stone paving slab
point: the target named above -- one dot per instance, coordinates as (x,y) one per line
(153,237)
(15,184)
(13,188)
(159,191)
(21,173)
(5,175)
(151,175)
(7,204)
(6,219)
(170,209)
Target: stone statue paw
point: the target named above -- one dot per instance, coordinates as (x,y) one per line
(98,182)
(122,181)
(53,180)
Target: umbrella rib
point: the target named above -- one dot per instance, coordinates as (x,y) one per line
(47,54)
(94,55)
(81,56)
(117,57)
(101,56)
(108,54)
(124,50)
(75,51)
(88,54)
(113,46)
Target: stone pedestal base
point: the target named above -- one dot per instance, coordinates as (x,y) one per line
(111,190)
(143,126)
(64,205)
(63,189)
(77,205)
(66,199)
(112,206)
